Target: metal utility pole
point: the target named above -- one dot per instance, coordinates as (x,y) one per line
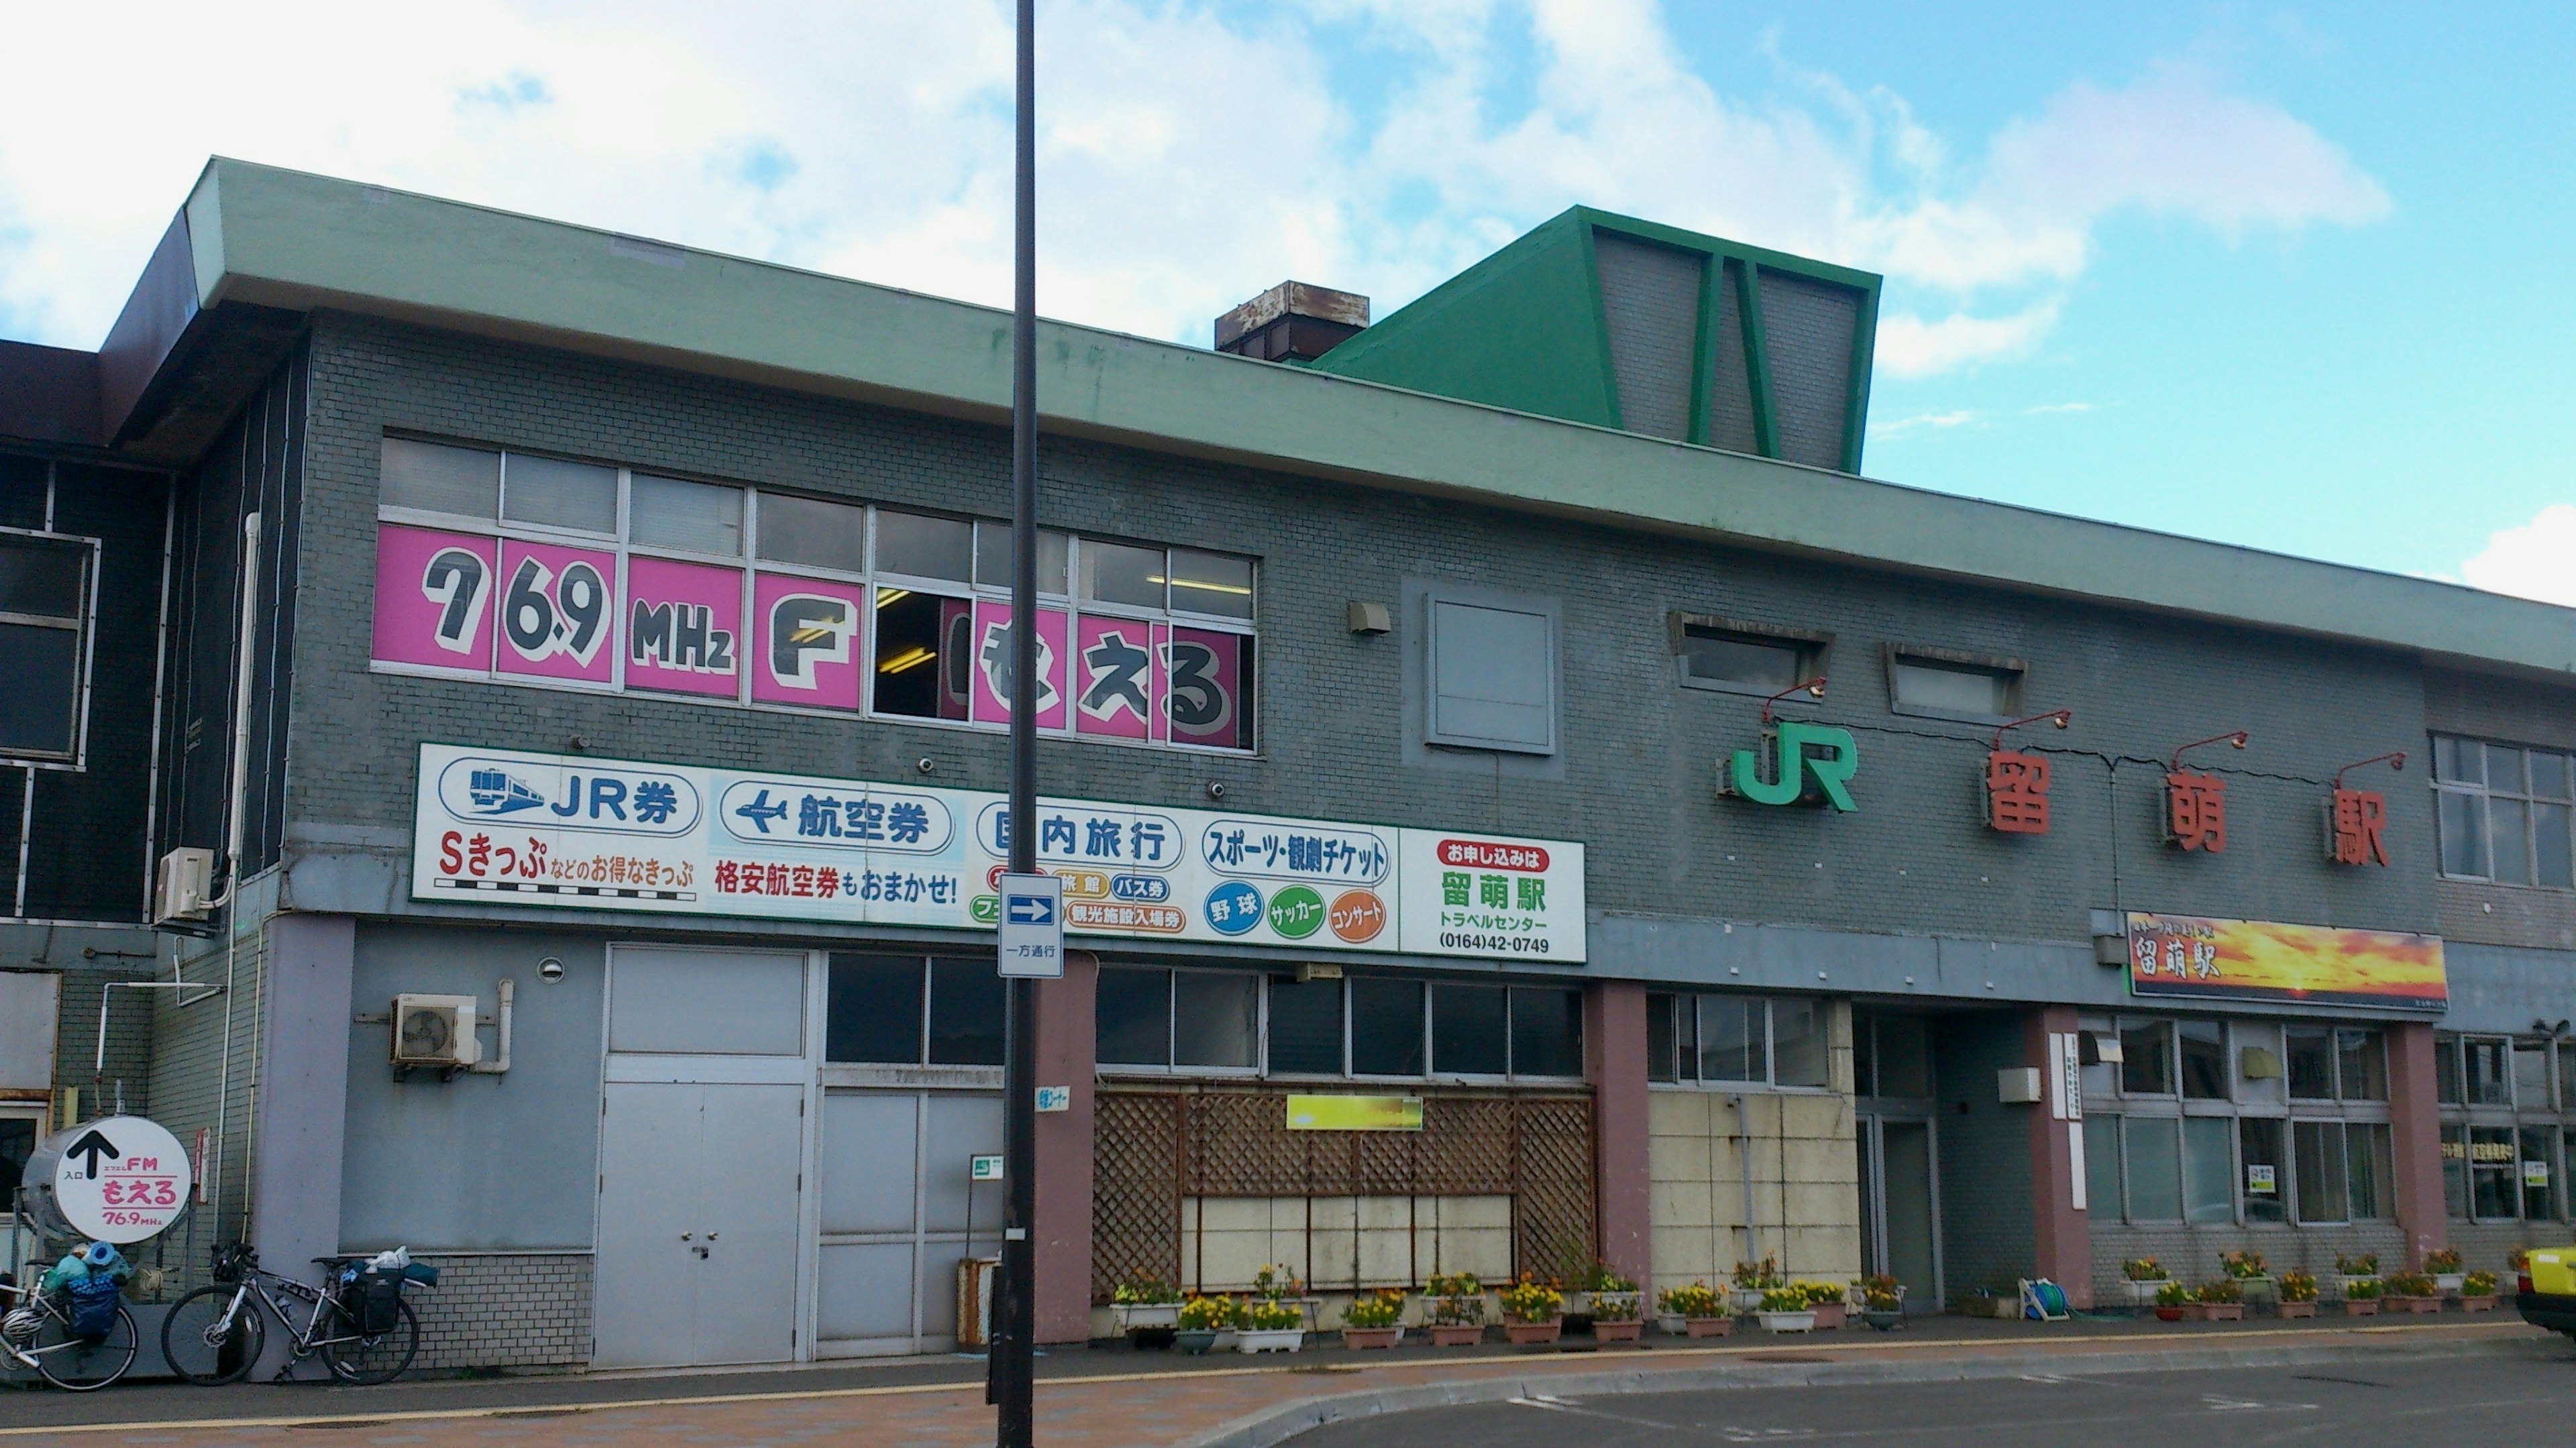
(1012,1367)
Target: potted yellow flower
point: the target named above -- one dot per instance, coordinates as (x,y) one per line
(2220,1299)
(1144,1303)
(1693,1310)
(2411,1292)
(1269,1324)
(2444,1264)
(1829,1302)
(2140,1280)
(1787,1309)
(2298,1295)
(2361,1267)
(1882,1303)
(2361,1297)
(1532,1311)
(1374,1319)
(2173,1301)
(1201,1319)
(2478,1292)
(1457,1308)
(1750,1280)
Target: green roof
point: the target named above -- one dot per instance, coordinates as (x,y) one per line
(287,240)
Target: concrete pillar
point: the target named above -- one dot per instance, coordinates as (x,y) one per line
(1614,1057)
(1062,1231)
(2061,1237)
(2415,1139)
(301,1096)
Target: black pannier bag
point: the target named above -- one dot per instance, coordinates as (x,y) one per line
(375,1302)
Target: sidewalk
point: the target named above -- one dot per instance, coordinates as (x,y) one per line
(1112,1399)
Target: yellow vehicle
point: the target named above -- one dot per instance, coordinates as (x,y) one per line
(2546,1289)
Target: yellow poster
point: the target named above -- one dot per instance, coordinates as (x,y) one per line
(1354,1113)
(2191,955)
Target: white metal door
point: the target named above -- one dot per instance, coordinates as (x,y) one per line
(750,1170)
(644,1283)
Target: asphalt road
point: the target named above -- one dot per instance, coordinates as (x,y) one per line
(2501,1397)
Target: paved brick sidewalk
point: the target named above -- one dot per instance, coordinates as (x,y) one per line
(1165,1408)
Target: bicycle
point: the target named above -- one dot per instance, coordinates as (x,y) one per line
(38,1334)
(214,1335)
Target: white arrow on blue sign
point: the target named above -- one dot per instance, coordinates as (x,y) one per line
(1032,926)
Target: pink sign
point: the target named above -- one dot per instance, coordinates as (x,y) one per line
(558,608)
(805,641)
(1207,705)
(434,598)
(683,627)
(992,664)
(956,658)
(1118,682)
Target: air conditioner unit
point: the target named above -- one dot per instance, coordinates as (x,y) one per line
(180,888)
(435,1030)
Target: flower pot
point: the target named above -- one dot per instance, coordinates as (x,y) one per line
(2414,1304)
(1884,1321)
(1456,1334)
(1605,1330)
(1709,1326)
(1615,1306)
(1527,1333)
(2170,1314)
(2222,1312)
(2447,1284)
(1136,1316)
(1357,1338)
(1194,1340)
(1830,1315)
(2141,1294)
(1225,1337)
(1744,1299)
(1671,1324)
(2298,1309)
(2485,1303)
(2361,1307)
(2195,1312)
(2349,1282)
(1788,1321)
(2258,1289)
(1269,1339)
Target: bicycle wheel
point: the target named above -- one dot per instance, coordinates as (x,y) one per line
(77,1364)
(198,1345)
(366,1360)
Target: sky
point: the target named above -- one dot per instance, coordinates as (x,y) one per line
(2277,275)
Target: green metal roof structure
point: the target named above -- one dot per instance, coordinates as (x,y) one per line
(255,247)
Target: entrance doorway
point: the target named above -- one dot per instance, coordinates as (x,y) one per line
(1895,1136)
(702,1158)
(900,1207)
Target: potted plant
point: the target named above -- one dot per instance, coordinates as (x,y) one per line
(2361,1268)
(1144,1303)
(2444,1264)
(1276,1283)
(2141,1278)
(1200,1319)
(2478,1292)
(1269,1324)
(1618,1316)
(1786,1309)
(1457,1306)
(2298,1295)
(1830,1303)
(2172,1301)
(1533,1312)
(1882,1303)
(2220,1299)
(1374,1319)
(1750,1280)
(1694,1310)
(2361,1297)
(2253,1278)
(2411,1292)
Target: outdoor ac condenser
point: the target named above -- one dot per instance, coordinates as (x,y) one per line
(180,887)
(435,1030)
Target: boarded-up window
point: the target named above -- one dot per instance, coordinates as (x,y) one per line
(1491,665)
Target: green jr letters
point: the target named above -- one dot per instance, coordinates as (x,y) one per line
(1832,768)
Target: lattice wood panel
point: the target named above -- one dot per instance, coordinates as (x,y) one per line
(1135,1189)
(1240,1146)
(1553,1198)
(1466,1146)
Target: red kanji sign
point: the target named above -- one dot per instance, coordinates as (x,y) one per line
(2196,811)
(2016,793)
(2360,818)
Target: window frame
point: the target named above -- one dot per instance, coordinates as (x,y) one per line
(2015,673)
(1813,648)
(1692,1080)
(1270,976)
(869,581)
(2551,1118)
(83,627)
(841,1073)
(1547,607)
(2480,796)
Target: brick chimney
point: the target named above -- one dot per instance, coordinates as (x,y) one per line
(1292,322)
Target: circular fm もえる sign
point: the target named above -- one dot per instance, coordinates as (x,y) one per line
(121,1179)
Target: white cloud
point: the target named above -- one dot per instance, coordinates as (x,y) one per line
(1937,421)
(2529,561)
(1191,155)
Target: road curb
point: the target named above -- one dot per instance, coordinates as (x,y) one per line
(1276,1424)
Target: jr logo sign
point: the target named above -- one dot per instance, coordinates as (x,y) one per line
(1805,752)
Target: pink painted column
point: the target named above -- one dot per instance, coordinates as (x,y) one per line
(2415,1139)
(1062,1235)
(2061,1242)
(1614,1056)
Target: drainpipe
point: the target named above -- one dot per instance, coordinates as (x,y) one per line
(500,1062)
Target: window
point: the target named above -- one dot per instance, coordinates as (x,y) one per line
(1744,658)
(2146,1058)
(2204,1060)
(1747,1040)
(1470,1030)
(44,608)
(2504,1138)
(2504,812)
(2323,1192)
(2267,1175)
(1386,1026)
(874,1011)
(1491,671)
(1216,1019)
(2208,1169)
(1939,682)
(526,569)
(1305,1027)
(1891,1055)
(2154,1168)
(1220,1022)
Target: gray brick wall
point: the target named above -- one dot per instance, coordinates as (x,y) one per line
(1650,299)
(1641,754)
(506,1310)
(1986,1224)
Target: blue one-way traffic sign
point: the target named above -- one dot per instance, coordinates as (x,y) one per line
(1032,926)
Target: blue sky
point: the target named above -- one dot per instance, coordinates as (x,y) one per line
(2276,275)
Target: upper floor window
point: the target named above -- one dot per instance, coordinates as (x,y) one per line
(1738,1040)
(534,569)
(2504,812)
(1941,682)
(1745,658)
(45,584)
(1236,1022)
(1490,661)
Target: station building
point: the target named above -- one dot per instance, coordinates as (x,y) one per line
(1512,727)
